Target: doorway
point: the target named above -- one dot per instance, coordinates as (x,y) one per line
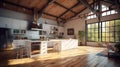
(4,37)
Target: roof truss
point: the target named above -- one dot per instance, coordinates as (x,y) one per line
(42,10)
(70,9)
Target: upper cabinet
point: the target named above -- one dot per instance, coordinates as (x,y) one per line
(18,31)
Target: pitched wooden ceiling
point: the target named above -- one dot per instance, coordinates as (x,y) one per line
(52,9)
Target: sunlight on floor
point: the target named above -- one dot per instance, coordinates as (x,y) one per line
(84,50)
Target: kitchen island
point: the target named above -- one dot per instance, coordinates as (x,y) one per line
(36,47)
(32,47)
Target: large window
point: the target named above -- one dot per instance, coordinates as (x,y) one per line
(105,12)
(93,32)
(108,31)
(91,15)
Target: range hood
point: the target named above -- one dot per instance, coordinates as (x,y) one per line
(35,19)
(35,25)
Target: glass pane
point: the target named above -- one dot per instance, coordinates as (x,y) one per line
(107,23)
(96,29)
(99,24)
(96,35)
(103,24)
(117,33)
(107,29)
(92,39)
(96,25)
(108,12)
(89,25)
(103,38)
(117,28)
(107,39)
(107,34)
(103,6)
(103,34)
(96,39)
(107,8)
(91,16)
(92,25)
(116,36)
(104,9)
(111,34)
(92,30)
(111,29)
(117,22)
(111,39)
(89,30)
(117,39)
(111,23)
(89,34)
(103,29)
(104,14)
(113,12)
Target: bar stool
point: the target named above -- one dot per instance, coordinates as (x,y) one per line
(18,50)
(24,52)
(21,51)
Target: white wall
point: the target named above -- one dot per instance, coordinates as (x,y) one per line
(13,14)
(17,20)
(12,23)
(47,21)
(13,19)
(20,24)
(78,24)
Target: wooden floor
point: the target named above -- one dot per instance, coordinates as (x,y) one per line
(83,56)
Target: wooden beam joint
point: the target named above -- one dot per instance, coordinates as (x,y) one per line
(43,8)
(70,9)
(64,7)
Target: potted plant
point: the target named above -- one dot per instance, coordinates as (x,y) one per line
(81,35)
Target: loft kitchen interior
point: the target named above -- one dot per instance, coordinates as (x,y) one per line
(59,33)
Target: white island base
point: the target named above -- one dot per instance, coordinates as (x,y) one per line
(64,44)
(28,45)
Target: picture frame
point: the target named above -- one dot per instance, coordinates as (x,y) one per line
(70,31)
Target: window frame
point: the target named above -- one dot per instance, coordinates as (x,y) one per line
(109,37)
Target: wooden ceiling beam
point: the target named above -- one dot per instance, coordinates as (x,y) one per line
(17,5)
(82,10)
(108,1)
(64,7)
(45,6)
(52,15)
(69,9)
(88,5)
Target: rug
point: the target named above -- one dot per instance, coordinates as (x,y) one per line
(111,55)
(101,54)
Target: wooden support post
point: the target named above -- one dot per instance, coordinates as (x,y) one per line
(99,19)
(88,5)
(86,33)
